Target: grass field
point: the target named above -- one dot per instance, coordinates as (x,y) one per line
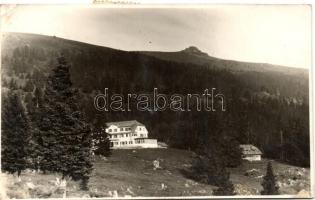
(129,173)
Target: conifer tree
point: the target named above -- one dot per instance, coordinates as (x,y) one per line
(210,165)
(101,143)
(65,134)
(269,182)
(211,162)
(35,115)
(14,134)
(209,168)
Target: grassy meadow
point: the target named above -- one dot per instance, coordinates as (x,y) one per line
(131,173)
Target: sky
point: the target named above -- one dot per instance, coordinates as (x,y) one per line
(276,34)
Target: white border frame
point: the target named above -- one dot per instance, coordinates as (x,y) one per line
(196,4)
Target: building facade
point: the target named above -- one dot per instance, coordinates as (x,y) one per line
(250,152)
(129,134)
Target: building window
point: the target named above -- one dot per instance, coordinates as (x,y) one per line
(128,129)
(121,129)
(109,130)
(141,135)
(115,136)
(111,144)
(115,130)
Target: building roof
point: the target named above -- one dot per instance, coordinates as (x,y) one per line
(249,149)
(125,123)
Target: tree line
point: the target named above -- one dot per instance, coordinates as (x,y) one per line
(269,110)
(50,133)
(57,122)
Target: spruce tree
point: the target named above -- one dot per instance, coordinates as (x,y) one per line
(211,162)
(269,182)
(14,134)
(209,167)
(101,143)
(35,115)
(66,137)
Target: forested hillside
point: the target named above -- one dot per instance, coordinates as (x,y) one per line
(266,105)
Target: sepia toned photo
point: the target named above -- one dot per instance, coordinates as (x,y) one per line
(102,101)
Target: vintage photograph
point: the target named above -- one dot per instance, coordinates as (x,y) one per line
(155,101)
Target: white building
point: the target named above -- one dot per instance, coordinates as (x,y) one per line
(129,134)
(250,152)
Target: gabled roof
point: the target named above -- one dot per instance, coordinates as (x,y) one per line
(131,123)
(249,149)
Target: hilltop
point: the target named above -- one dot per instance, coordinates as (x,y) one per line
(261,99)
(190,56)
(195,56)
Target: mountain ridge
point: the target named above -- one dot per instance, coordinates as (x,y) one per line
(191,57)
(191,54)
(257,98)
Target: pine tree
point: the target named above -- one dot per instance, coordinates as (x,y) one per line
(211,162)
(230,150)
(210,167)
(35,115)
(101,143)
(65,134)
(269,182)
(15,134)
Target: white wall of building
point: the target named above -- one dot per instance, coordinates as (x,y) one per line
(252,157)
(124,137)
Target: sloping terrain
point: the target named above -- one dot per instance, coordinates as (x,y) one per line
(131,173)
(195,56)
(261,99)
(39,52)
